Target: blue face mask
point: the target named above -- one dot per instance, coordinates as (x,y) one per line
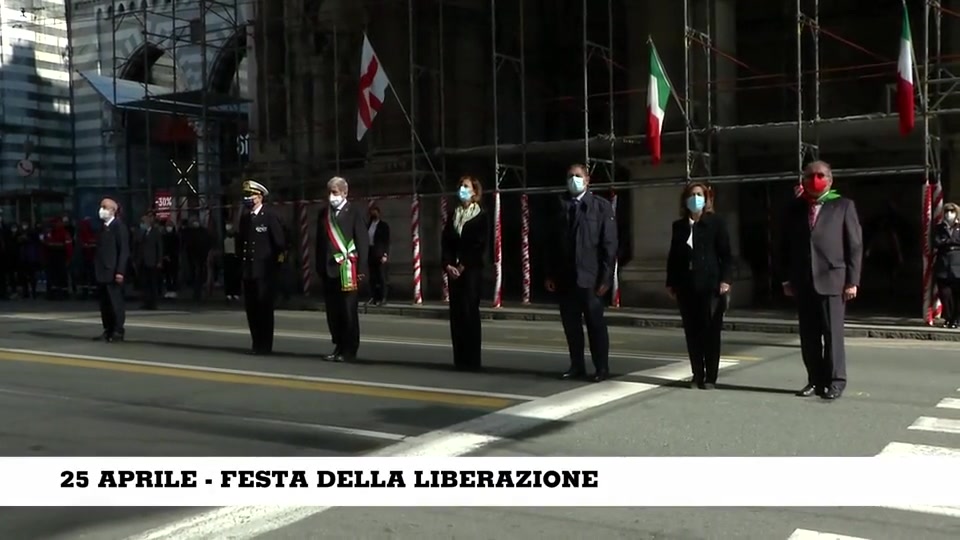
(576,185)
(248,202)
(465,194)
(695,203)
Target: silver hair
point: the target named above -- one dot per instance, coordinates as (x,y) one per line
(338,183)
(821,163)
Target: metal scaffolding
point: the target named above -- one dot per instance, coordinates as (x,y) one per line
(210,31)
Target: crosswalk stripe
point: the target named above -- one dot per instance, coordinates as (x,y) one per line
(949,403)
(940,425)
(805,534)
(907,449)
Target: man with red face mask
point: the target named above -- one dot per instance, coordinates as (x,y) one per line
(820,259)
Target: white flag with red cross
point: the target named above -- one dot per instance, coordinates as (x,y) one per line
(373,88)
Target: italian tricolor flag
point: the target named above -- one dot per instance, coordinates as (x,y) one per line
(658,95)
(905,89)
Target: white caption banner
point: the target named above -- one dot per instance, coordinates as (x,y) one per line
(540,482)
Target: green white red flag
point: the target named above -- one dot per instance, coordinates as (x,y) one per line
(658,95)
(905,71)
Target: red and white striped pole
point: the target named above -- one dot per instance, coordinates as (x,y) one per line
(415,234)
(932,214)
(615,294)
(525,245)
(497,253)
(305,250)
(443,223)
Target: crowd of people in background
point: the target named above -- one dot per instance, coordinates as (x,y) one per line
(54,259)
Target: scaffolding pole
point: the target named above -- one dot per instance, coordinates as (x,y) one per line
(932,199)
(512,55)
(698,157)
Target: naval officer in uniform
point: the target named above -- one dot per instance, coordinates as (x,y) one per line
(261,243)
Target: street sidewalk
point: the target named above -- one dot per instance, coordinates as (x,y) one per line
(739,320)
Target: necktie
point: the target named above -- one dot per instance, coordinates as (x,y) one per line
(812,215)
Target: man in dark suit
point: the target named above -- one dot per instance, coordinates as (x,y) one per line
(260,242)
(110,266)
(150,259)
(343,245)
(581,264)
(379,232)
(821,255)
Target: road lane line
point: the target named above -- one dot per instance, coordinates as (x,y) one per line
(380,340)
(322,428)
(805,534)
(247,522)
(949,403)
(898,449)
(939,425)
(471,398)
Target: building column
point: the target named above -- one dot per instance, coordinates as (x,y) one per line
(653,209)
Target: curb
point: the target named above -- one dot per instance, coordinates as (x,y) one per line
(853,330)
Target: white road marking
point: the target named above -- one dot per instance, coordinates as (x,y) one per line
(949,403)
(897,449)
(266,374)
(804,534)
(939,425)
(246,522)
(322,428)
(314,336)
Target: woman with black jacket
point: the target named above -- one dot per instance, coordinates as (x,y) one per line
(699,271)
(463,253)
(946,242)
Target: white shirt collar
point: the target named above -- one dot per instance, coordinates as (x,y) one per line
(256,211)
(108,222)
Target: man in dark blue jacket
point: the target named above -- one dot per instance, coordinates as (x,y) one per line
(581,258)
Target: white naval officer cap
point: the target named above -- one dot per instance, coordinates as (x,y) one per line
(252,186)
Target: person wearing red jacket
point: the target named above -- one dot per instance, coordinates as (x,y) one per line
(59,251)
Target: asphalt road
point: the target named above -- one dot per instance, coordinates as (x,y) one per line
(179,387)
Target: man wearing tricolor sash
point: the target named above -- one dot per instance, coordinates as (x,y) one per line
(343,246)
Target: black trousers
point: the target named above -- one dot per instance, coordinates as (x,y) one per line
(113,312)
(821,321)
(949,293)
(378,281)
(579,306)
(466,333)
(150,285)
(171,274)
(259,300)
(231,275)
(198,275)
(702,316)
(343,318)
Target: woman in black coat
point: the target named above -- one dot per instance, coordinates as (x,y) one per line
(699,271)
(946,242)
(463,253)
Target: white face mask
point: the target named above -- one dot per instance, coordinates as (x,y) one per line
(229,228)
(576,185)
(169,228)
(950,217)
(105,214)
(336,200)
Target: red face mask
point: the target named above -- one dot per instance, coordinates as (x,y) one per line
(815,184)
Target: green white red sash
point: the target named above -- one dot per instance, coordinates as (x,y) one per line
(346,254)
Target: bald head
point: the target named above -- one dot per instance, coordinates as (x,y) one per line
(109,204)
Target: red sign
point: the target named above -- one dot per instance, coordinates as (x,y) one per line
(163,204)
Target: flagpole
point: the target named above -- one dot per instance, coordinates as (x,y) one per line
(416,135)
